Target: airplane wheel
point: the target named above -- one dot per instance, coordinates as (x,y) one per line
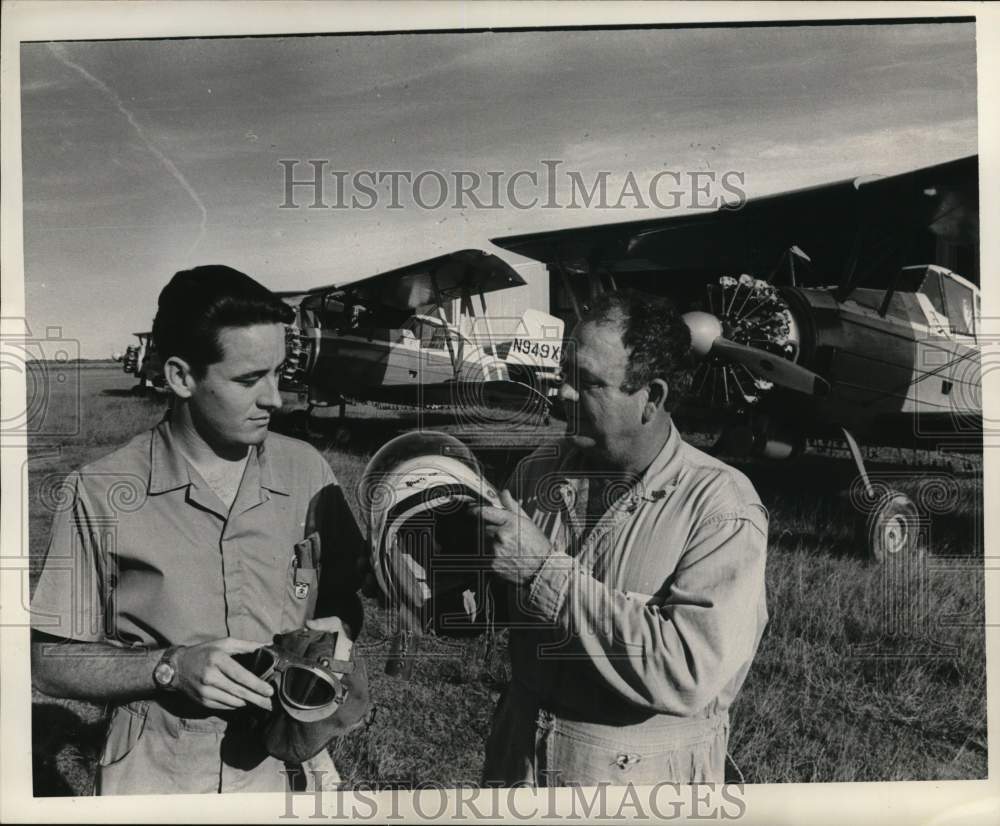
(310,431)
(893,529)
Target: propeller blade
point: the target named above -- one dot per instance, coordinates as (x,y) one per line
(782,372)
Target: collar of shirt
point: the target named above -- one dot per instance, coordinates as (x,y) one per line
(654,483)
(659,478)
(620,498)
(169,470)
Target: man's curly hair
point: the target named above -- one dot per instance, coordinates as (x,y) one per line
(656,338)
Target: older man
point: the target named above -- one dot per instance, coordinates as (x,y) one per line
(196,541)
(636,572)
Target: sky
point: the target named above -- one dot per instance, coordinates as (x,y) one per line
(144,157)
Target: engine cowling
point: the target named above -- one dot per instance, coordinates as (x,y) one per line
(746,311)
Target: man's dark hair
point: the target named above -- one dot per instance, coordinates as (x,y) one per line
(199,302)
(656,338)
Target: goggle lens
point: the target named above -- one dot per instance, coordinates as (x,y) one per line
(258,662)
(307,689)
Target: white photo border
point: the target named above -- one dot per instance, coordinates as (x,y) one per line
(952,802)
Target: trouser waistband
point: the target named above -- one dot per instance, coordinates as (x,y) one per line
(655,727)
(186,714)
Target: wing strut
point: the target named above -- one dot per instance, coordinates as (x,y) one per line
(846,286)
(859,461)
(884,306)
(564,277)
(455,365)
(489,332)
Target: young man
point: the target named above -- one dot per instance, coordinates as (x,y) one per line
(196,541)
(636,566)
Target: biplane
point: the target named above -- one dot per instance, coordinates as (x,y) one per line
(395,338)
(142,361)
(829,312)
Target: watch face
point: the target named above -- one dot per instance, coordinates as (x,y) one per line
(163,674)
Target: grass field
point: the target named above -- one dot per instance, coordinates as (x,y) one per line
(864,672)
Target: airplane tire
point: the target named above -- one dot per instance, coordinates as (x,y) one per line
(893,528)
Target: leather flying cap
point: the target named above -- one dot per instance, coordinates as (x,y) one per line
(317,698)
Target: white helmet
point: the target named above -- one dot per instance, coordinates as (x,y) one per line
(413,495)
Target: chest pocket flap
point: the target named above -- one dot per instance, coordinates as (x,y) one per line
(302,582)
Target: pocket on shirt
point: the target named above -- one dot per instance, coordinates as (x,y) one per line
(125,729)
(301,583)
(582,758)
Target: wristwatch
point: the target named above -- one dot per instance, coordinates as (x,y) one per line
(165,673)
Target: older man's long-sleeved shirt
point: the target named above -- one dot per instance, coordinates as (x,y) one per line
(653,606)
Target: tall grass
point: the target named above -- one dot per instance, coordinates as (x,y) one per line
(865,672)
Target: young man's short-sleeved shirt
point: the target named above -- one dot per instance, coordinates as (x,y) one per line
(143,552)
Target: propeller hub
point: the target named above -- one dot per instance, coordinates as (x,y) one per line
(705,329)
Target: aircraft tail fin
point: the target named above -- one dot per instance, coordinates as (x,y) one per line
(533,352)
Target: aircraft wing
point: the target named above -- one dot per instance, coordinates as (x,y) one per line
(843,227)
(434,281)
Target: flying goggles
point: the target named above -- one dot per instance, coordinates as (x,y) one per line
(308,689)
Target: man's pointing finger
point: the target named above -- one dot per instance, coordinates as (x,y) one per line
(491,515)
(510,503)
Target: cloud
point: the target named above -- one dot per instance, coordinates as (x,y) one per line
(939,140)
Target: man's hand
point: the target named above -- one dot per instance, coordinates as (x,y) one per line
(519,547)
(209,675)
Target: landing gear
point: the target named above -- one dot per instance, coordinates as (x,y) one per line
(342,432)
(310,431)
(891,530)
(892,527)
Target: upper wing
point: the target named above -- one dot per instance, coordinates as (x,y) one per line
(844,228)
(434,281)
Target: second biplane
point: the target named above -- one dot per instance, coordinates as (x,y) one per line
(396,338)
